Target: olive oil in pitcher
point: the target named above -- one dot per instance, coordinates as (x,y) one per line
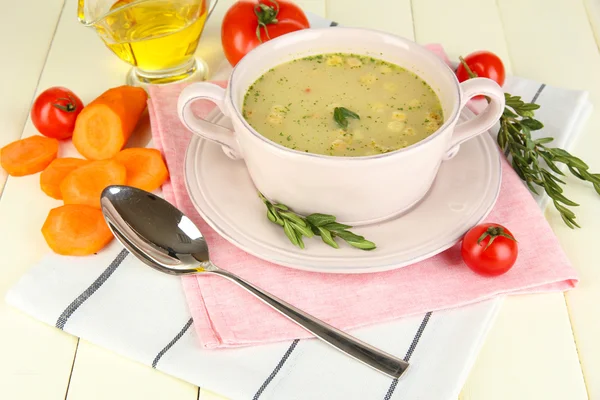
(157,37)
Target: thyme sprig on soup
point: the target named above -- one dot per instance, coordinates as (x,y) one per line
(342,105)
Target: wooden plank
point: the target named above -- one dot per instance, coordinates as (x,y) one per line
(100,374)
(389,16)
(529,354)
(25,374)
(504,363)
(23,62)
(37,359)
(593,12)
(317,7)
(452,24)
(566,54)
(204,394)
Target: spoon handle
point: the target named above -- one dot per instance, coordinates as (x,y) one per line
(361,351)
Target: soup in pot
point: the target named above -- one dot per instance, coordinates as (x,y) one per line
(342,105)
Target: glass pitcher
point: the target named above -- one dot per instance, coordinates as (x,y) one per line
(158,37)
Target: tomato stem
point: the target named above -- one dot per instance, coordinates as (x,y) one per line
(69,107)
(470,72)
(266,15)
(493,232)
(467,68)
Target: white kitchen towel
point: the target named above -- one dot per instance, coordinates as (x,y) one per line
(113,300)
(123,305)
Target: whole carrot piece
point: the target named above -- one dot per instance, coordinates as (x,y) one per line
(104,125)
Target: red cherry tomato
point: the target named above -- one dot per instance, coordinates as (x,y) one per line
(248,23)
(54,112)
(489,249)
(484,64)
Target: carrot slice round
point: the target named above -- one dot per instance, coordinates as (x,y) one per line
(76,230)
(146,169)
(104,126)
(85,184)
(28,156)
(55,173)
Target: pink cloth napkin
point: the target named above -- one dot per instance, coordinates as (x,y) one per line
(226,316)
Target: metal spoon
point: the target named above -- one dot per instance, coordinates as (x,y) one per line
(165,239)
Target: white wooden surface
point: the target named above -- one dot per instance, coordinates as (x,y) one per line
(541,347)
(22,62)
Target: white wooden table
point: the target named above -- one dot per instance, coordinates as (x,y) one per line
(541,347)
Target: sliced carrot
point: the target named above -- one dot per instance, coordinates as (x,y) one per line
(146,169)
(76,230)
(104,126)
(28,156)
(53,175)
(85,184)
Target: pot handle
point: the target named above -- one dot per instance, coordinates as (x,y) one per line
(201,127)
(484,120)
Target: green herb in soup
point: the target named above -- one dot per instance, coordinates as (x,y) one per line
(342,105)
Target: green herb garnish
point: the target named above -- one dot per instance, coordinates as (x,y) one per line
(493,232)
(341,115)
(527,155)
(323,225)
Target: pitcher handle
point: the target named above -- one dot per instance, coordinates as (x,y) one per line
(484,120)
(211,7)
(201,127)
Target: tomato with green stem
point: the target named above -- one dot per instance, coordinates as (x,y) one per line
(489,249)
(248,23)
(54,112)
(482,64)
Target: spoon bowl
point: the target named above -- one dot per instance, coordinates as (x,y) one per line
(154,230)
(165,239)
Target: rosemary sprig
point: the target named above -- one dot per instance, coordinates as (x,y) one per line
(535,162)
(323,225)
